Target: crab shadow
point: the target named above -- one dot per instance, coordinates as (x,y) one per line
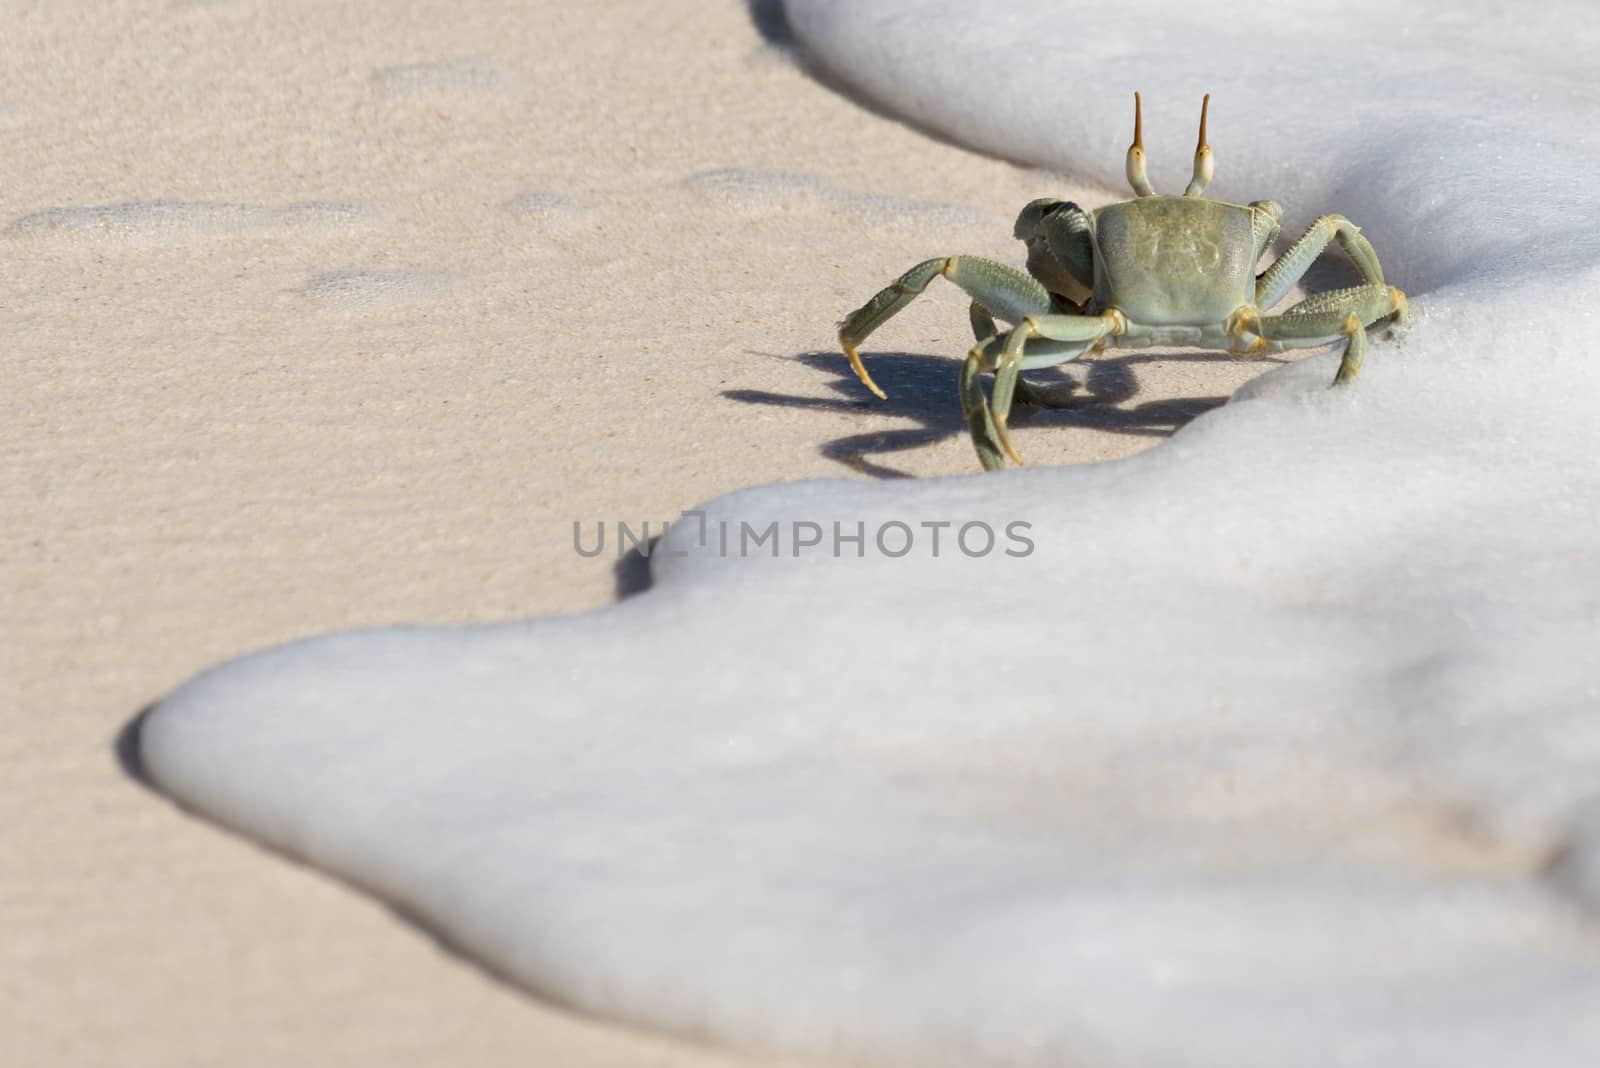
(923,389)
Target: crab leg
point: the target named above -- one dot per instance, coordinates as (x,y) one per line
(984,328)
(979,423)
(1054,339)
(1329,316)
(982,320)
(992,449)
(1004,290)
(1287,269)
(1064,337)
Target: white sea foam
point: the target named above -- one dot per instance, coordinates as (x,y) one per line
(1281,746)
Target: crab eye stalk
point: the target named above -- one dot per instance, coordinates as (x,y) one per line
(1204,165)
(1136,177)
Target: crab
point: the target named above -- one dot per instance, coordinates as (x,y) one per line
(1154,270)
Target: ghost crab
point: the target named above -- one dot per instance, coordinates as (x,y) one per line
(1155,270)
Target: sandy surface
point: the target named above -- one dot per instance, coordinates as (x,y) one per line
(322,316)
